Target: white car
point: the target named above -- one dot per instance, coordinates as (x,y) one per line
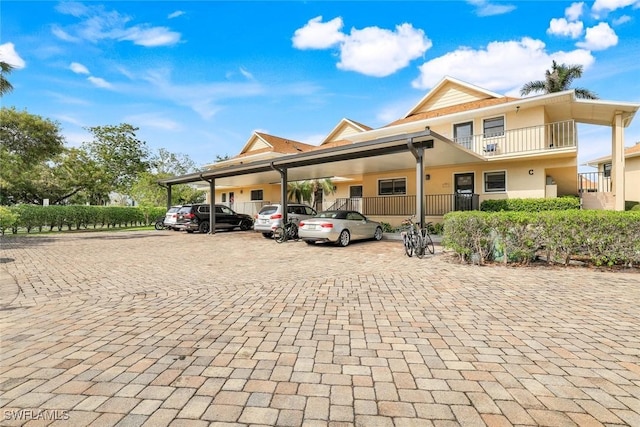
(270,217)
(340,227)
(171,217)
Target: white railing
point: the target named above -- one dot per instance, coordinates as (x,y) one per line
(530,139)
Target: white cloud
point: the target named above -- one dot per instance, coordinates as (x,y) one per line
(599,37)
(100,82)
(379,52)
(372,51)
(604,6)
(318,35)
(153,120)
(246,74)
(151,37)
(562,27)
(9,55)
(486,8)
(98,24)
(574,12)
(621,20)
(502,67)
(176,14)
(78,68)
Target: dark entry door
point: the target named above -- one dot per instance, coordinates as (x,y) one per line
(463,191)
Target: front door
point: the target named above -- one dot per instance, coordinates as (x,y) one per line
(463,191)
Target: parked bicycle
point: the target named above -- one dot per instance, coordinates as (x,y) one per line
(416,240)
(287,232)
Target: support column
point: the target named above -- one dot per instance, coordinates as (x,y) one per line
(212,206)
(617,161)
(168,196)
(283,191)
(420,185)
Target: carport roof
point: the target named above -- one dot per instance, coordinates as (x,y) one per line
(342,160)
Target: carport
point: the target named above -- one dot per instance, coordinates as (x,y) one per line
(418,149)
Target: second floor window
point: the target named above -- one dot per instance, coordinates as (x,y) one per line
(493,127)
(463,133)
(606,169)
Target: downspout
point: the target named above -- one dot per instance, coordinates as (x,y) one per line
(212,206)
(283,191)
(419,156)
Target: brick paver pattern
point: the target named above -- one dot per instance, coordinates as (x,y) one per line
(163,328)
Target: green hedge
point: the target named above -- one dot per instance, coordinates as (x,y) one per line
(531,205)
(601,237)
(48,218)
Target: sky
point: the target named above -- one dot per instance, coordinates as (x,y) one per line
(199,77)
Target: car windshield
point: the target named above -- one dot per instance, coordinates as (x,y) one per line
(327,214)
(173,209)
(185,209)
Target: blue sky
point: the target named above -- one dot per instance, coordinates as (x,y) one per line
(198,77)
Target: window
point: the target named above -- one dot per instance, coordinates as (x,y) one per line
(493,127)
(606,169)
(495,182)
(463,134)
(256,195)
(224,197)
(355,192)
(392,187)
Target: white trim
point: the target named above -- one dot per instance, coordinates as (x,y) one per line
(484,182)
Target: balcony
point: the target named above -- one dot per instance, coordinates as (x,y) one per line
(534,139)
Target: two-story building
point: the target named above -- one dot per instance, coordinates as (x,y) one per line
(458,146)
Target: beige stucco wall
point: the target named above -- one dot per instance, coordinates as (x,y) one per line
(632,179)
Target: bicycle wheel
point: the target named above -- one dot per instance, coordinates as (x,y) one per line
(427,243)
(419,246)
(408,245)
(279,235)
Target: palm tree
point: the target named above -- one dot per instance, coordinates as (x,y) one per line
(5,86)
(299,191)
(558,79)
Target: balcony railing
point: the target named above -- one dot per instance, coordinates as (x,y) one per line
(530,139)
(594,182)
(435,204)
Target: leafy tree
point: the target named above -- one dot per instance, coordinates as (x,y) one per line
(119,154)
(558,79)
(28,136)
(308,191)
(27,141)
(5,85)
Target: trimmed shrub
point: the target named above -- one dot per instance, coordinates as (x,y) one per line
(531,205)
(7,219)
(601,237)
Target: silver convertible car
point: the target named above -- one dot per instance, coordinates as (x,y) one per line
(339,227)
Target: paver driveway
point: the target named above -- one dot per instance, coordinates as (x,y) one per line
(165,328)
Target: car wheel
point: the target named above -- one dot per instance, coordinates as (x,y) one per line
(203,227)
(378,234)
(245,225)
(159,225)
(267,235)
(344,238)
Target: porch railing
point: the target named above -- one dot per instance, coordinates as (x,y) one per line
(435,204)
(546,137)
(594,182)
(249,208)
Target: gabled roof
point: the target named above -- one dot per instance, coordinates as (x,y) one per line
(449,92)
(344,127)
(633,151)
(261,142)
(445,111)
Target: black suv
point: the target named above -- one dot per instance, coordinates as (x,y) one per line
(196,218)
